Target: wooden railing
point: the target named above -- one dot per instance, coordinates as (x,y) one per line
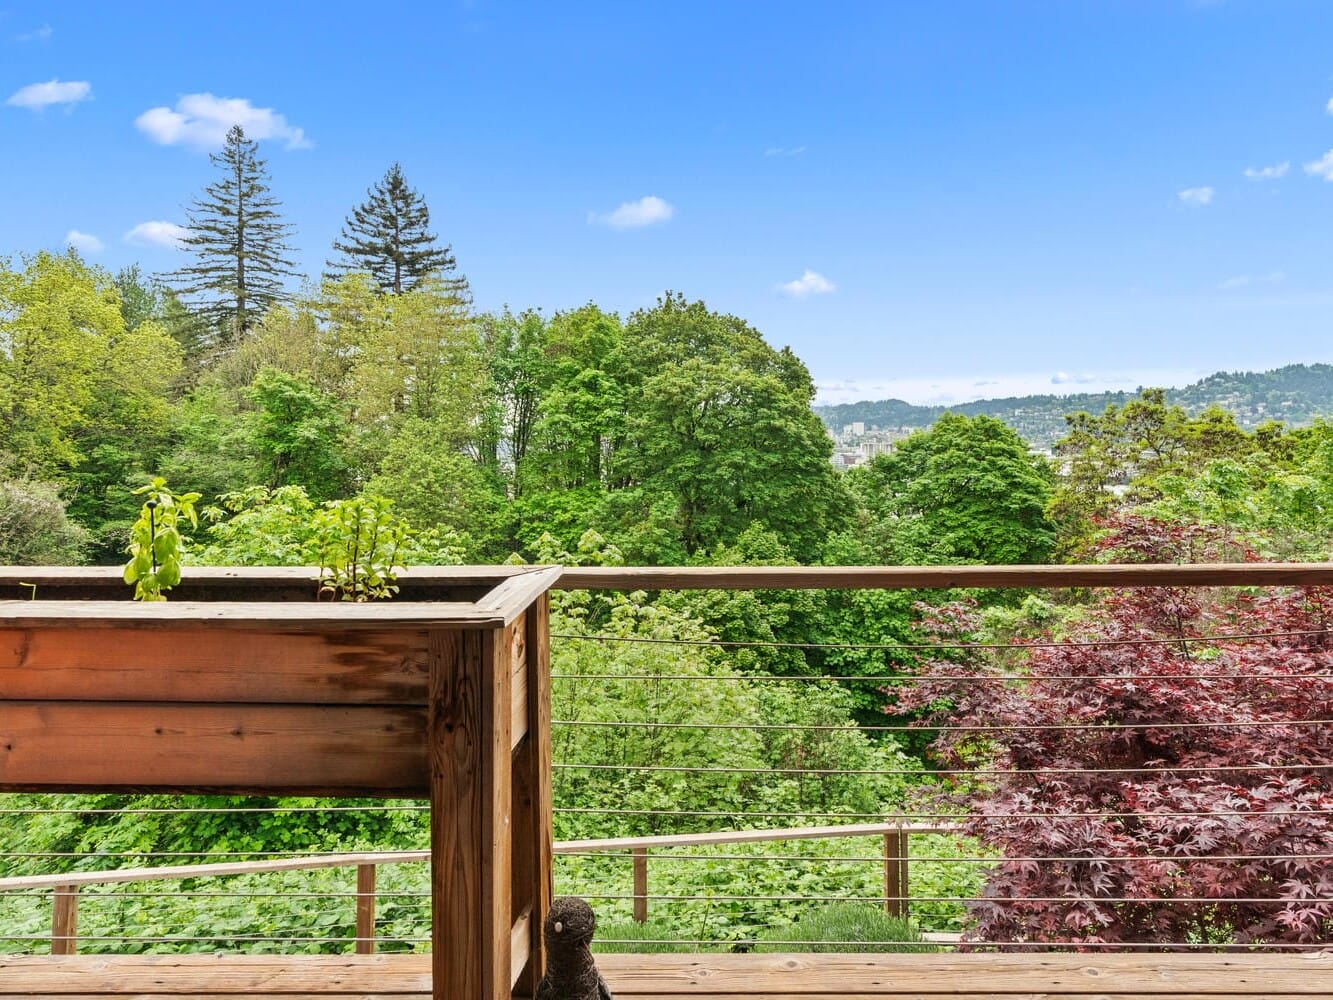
(247,685)
(65,886)
(182,621)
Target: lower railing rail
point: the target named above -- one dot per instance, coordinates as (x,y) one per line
(65,886)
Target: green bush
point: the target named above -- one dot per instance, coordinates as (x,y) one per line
(845,927)
(653,937)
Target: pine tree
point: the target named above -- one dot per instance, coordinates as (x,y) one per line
(388,236)
(239,242)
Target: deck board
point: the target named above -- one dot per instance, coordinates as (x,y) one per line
(717,977)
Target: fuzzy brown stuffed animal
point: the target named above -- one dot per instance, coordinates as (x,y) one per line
(570,972)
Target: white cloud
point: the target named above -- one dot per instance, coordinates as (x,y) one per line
(1197,196)
(809,283)
(202,121)
(1322,167)
(1065,378)
(780,151)
(1245,280)
(41,95)
(633,214)
(1329,106)
(156,234)
(41,34)
(83,242)
(1270,173)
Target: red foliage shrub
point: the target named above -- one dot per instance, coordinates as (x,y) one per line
(1157,785)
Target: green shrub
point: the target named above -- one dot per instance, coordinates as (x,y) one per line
(844,927)
(653,937)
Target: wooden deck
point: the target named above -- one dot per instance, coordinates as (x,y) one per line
(719,977)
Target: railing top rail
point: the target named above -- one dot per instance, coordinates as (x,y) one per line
(399,857)
(734,577)
(250,614)
(275,576)
(943,577)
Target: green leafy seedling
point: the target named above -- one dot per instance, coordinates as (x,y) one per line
(155,540)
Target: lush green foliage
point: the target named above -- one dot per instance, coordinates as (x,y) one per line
(845,927)
(156,545)
(676,435)
(967,490)
(34,527)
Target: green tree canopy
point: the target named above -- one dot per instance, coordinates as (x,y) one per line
(967,490)
(719,423)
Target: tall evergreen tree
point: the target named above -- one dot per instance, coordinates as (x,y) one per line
(238,240)
(388,236)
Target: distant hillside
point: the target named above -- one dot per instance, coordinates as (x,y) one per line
(1295,394)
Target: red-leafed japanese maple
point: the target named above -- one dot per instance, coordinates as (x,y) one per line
(1157,784)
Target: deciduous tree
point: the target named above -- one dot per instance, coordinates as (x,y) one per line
(1179,789)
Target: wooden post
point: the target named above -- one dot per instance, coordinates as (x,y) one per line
(65,920)
(641,884)
(895,873)
(365,909)
(468,743)
(533,885)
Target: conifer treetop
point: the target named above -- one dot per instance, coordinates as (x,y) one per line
(388,236)
(238,241)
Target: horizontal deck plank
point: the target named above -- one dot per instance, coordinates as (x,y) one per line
(180,664)
(261,749)
(951,975)
(719,977)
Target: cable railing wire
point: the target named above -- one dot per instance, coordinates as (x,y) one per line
(929,646)
(975,858)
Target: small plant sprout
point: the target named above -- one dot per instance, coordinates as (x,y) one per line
(155,540)
(357,544)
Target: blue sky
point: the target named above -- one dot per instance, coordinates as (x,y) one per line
(936,201)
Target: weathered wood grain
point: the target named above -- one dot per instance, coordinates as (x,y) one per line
(512,597)
(517,641)
(946,974)
(246,615)
(666,977)
(533,861)
(496,850)
(379,667)
(232,583)
(262,749)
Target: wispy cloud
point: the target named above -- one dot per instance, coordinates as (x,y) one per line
(1077,378)
(1322,167)
(202,122)
(1270,173)
(635,214)
(156,233)
(809,283)
(1196,196)
(83,242)
(41,34)
(42,95)
(1329,106)
(783,151)
(1247,280)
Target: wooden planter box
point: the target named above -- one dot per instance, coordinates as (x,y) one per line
(242,683)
